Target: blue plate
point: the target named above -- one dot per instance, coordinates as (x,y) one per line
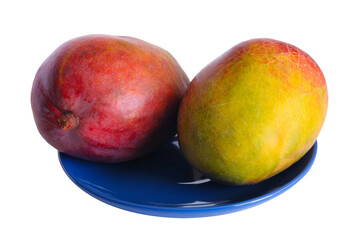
(164,184)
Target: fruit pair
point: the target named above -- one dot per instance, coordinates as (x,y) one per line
(248,115)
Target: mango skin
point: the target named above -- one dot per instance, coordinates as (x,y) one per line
(252,112)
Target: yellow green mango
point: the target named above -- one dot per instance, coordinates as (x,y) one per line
(252,112)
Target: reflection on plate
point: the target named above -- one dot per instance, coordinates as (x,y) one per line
(164,184)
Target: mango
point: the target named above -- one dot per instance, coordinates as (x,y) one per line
(252,112)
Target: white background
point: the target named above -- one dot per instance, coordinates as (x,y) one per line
(38,201)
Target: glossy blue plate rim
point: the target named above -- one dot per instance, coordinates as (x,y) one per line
(191,212)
